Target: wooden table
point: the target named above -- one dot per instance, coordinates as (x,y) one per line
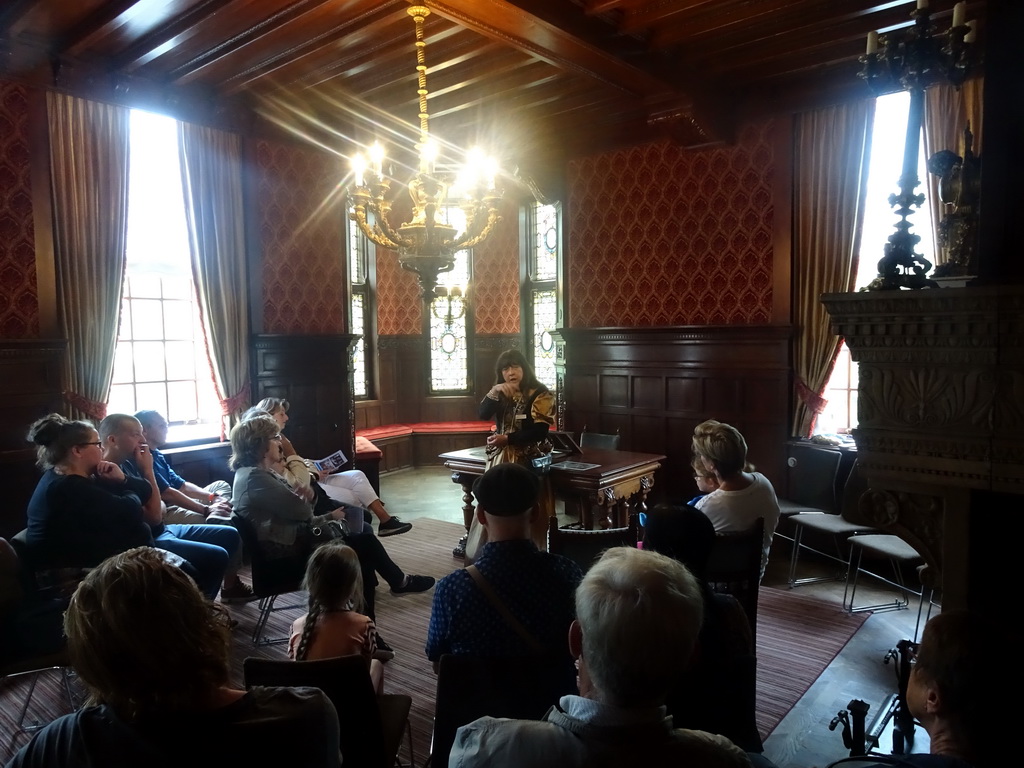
(621,480)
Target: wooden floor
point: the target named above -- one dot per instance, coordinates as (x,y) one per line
(802,738)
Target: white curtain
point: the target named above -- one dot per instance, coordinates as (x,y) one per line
(211,172)
(89,165)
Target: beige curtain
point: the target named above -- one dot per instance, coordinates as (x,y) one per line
(89,166)
(211,173)
(830,177)
(947,111)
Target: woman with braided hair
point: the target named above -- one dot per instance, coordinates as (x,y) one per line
(334,626)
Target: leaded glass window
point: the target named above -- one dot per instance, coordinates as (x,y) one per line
(448,321)
(360,273)
(540,288)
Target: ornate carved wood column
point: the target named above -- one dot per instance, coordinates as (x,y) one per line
(940,411)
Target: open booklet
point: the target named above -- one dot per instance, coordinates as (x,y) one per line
(332,463)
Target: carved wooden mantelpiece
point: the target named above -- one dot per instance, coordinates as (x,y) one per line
(940,408)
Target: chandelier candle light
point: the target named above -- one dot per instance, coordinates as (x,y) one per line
(426,244)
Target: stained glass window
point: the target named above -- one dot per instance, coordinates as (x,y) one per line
(361,274)
(540,289)
(449,331)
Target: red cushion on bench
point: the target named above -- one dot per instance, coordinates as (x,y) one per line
(365,450)
(452,426)
(388,430)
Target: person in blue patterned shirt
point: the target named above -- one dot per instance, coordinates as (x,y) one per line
(536,587)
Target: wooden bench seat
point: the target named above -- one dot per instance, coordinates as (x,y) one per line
(414,445)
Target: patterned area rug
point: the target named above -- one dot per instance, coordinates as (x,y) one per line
(798,637)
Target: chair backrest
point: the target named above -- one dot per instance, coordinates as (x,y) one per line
(346,682)
(811,476)
(270,576)
(469,687)
(584,547)
(856,485)
(600,440)
(734,567)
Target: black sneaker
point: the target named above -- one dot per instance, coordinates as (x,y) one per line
(392,527)
(414,584)
(384,651)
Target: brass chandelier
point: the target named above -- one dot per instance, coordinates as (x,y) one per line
(426,244)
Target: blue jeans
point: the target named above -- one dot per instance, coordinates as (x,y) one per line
(209,548)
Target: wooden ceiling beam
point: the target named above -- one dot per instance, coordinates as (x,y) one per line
(771,17)
(319,15)
(15,16)
(169,36)
(571,49)
(289,67)
(658,14)
(104,21)
(464,51)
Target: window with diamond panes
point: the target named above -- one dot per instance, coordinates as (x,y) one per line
(448,321)
(361,306)
(540,291)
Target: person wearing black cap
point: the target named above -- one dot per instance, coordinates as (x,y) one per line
(535,587)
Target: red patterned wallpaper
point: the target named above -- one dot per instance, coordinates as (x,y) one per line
(399,306)
(19,304)
(496,276)
(688,240)
(302,229)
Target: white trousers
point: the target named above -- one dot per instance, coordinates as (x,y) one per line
(349,487)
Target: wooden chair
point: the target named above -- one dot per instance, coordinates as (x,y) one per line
(271,578)
(584,547)
(371,725)
(470,687)
(734,568)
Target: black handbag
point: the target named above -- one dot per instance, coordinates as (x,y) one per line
(322,533)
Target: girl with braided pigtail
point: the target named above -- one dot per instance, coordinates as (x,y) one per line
(333,626)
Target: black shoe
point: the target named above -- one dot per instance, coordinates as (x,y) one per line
(414,584)
(460,549)
(384,651)
(393,527)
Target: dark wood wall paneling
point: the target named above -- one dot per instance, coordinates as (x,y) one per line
(30,387)
(313,373)
(654,385)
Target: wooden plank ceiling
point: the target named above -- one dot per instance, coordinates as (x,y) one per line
(519,76)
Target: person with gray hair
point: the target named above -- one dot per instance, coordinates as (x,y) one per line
(618,719)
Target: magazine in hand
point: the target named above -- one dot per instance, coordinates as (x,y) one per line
(332,463)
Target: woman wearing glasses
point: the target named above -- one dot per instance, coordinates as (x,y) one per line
(84,509)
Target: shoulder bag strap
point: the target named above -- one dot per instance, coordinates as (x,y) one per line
(506,614)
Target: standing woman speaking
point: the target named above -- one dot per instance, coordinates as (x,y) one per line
(523,410)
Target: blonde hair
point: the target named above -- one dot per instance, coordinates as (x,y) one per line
(334,580)
(250,440)
(723,446)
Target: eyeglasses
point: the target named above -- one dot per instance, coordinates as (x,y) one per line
(97,443)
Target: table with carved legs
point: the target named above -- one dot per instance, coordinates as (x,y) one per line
(615,487)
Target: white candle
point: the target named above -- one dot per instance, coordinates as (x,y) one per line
(872,43)
(959,12)
(970,36)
